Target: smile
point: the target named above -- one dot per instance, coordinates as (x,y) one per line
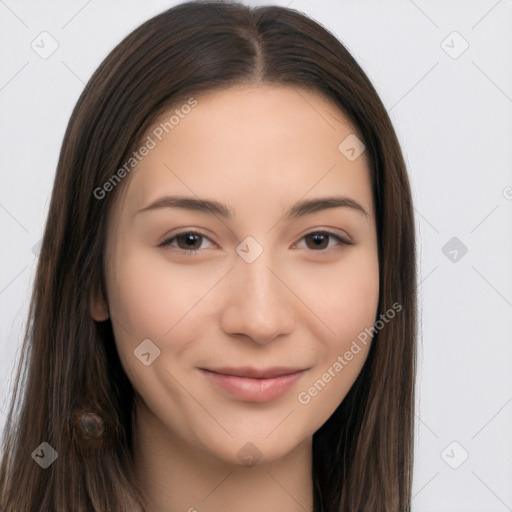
(254,385)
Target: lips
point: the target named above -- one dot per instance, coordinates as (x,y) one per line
(252,384)
(254,373)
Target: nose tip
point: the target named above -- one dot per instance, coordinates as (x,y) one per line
(262,330)
(259,304)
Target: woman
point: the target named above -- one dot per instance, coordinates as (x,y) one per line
(258,369)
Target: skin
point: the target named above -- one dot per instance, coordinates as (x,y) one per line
(259,149)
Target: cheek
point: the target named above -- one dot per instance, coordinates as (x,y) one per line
(356,313)
(347,303)
(135,297)
(345,297)
(149,300)
(149,297)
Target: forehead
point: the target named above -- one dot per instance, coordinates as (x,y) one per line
(246,144)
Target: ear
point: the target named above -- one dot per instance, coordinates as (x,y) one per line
(99,306)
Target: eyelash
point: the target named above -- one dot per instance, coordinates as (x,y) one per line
(194,252)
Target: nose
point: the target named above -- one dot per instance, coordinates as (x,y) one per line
(258,302)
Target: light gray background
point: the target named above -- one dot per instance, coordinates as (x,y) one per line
(453,117)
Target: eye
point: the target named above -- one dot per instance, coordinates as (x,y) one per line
(318,239)
(189,242)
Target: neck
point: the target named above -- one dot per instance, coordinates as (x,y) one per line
(179,477)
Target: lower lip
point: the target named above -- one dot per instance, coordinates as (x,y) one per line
(254,390)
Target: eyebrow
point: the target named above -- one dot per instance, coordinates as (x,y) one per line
(299,209)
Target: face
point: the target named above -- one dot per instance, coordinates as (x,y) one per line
(197,296)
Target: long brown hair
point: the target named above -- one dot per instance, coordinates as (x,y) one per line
(363,455)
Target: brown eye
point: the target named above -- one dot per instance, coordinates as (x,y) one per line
(188,243)
(319,240)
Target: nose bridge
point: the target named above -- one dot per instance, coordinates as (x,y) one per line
(259,304)
(261,284)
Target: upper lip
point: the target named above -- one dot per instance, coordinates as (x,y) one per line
(255,373)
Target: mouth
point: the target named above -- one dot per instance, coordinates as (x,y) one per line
(255,373)
(254,385)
